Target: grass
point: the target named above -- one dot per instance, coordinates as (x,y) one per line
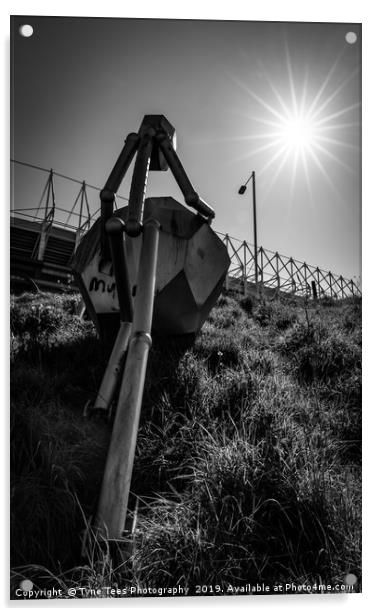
(248,458)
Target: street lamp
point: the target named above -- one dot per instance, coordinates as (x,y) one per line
(241,191)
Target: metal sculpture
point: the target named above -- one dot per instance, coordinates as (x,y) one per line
(153,266)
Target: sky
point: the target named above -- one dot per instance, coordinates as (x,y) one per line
(280,99)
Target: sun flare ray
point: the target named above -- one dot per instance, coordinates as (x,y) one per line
(291,79)
(302,124)
(323,171)
(307,125)
(314,105)
(335,93)
(333,157)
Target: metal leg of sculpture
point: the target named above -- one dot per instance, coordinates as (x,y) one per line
(112,185)
(114,497)
(139,184)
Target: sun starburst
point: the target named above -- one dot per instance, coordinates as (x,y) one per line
(299,128)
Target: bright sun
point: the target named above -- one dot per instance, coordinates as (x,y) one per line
(298,132)
(301,128)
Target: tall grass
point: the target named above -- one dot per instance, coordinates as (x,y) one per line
(247,466)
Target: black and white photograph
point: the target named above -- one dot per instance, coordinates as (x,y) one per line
(185,308)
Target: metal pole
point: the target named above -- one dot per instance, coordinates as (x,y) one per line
(262,266)
(245,268)
(293,287)
(278,272)
(241,191)
(46,222)
(114,367)
(342,287)
(261,286)
(227,281)
(314,291)
(115,228)
(191,197)
(138,188)
(115,489)
(254,225)
(307,288)
(107,195)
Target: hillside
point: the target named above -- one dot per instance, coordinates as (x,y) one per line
(248,458)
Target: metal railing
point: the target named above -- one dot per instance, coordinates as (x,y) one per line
(283,274)
(275,271)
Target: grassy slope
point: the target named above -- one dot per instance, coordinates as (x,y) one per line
(248,454)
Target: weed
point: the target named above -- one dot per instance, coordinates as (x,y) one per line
(248,456)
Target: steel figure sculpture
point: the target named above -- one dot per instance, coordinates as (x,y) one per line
(153,266)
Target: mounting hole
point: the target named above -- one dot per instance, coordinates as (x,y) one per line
(26,30)
(350,579)
(26,585)
(351,37)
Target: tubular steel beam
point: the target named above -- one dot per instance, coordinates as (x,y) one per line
(113,370)
(115,228)
(114,497)
(113,182)
(254,225)
(191,197)
(227,279)
(139,184)
(123,163)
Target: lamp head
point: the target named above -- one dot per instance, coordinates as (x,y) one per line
(242,189)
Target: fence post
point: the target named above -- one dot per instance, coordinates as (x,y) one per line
(261,265)
(42,240)
(278,271)
(314,291)
(227,280)
(307,286)
(342,287)
(77,238)
(48,217)
(293,287)
(319,287)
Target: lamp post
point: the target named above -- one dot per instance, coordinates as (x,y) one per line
(241,191)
